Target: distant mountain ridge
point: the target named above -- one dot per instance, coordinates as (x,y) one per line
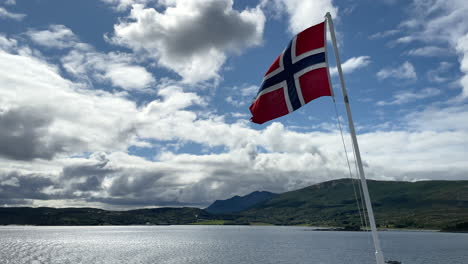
(423,205)
(239,203)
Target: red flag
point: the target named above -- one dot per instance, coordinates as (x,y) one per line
(298,76)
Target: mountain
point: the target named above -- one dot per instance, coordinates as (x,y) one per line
(424,204)
(239,203)
(93,216)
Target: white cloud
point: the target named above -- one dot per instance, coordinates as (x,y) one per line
(239,115)
(80,120)
(120,180)
(384,34)
(192,37)
(352,64)
(83,61)
(241,95)
(57,115)
(438,20)
(405,71)
(303,14)
(405,155)
(406,39)
(8,15)
(439,119)
(122,5)
(442,22)
(437,74)
(462,49)
(65,122)
(249,90)
(57,36)
(128,76)
(7,44)
(11,181)
(118,68)
(429,51)
(10,2)
(403,97)
(115,179)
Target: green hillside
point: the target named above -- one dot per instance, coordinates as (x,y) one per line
(425,204)
(92,216)
(239,203)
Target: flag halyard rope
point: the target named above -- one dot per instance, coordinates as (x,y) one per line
(361,212)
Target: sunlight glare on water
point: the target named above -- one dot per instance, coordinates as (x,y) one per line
(221,245)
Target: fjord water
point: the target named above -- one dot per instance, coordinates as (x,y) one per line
(222,245)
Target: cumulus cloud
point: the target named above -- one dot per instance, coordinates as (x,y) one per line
(303,14)
(58,115)
(441,22)
(429,51)
(439,119)
(462,49)
(116,179)
(110,123)
(120,180)
(352,64)
(24,135)
(57,36)
(122,5)
(384,34)
(405,39)
(7,44)
(403,97)
(241,95)
(191,37)
(440,74)
(404,72)
(100,171)
(5,14)
(404,155)
(83,61)
(16,187)
(116,68)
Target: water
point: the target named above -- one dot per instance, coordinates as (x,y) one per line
(222,245)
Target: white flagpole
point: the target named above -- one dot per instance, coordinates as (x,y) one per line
(378,251)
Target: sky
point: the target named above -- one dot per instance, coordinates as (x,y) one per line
(121,104)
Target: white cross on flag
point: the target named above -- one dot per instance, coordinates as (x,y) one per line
(298,76)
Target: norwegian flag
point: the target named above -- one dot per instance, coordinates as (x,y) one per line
(298,76)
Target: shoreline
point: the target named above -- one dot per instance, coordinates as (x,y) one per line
(306,228)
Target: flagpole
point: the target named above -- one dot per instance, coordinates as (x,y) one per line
(378,252)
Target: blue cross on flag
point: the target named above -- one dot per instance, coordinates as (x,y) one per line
(299,75)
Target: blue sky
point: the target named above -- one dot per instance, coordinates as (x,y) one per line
(135,103)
